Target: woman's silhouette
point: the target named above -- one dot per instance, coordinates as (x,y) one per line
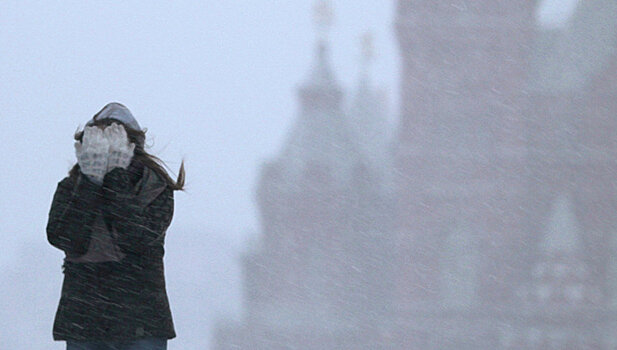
(109,216)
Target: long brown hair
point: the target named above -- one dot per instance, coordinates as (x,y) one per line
(140,155)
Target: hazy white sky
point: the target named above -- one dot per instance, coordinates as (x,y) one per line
(555,13)
(213,81)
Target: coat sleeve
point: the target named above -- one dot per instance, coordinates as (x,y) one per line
(140,228)
(73,210)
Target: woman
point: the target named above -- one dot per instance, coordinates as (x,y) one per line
(110,216)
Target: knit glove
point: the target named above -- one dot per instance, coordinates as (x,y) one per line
(120,150)
(92,153)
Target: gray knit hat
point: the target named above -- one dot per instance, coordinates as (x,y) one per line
(116,111)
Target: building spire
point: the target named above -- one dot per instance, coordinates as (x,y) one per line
(368,111)
(323,16)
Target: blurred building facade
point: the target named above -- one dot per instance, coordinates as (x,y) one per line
(486,222)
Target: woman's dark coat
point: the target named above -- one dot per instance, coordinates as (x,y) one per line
(115,300)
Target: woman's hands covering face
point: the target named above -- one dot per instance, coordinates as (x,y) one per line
(102,150)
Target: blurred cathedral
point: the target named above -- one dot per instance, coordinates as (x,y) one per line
(487,221)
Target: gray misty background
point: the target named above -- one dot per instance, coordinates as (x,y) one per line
(213,81)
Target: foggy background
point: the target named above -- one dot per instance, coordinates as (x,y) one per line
(215,84)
